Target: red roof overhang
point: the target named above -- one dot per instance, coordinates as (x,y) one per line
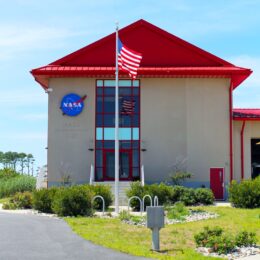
(246,114)
(236,74)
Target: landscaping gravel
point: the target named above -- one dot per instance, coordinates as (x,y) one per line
(237,253)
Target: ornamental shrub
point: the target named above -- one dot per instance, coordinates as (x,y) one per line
(105,192)
(136,189)
(245,194)
(19,201)
(178,211)
(72,201)
(188,197)
(204,196)
(43,198)
(245,238)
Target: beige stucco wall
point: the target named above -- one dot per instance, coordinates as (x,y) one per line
(185,119)
(251,130)
(181,119)
(69,138)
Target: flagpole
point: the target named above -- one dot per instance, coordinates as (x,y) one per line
(116,130)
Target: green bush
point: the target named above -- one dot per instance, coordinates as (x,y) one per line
(73,201)
(43,198)
(19,201)
(188,197)
(124,215)
(215,239)
(19,183)
(245,194)
(7,173)
(204,196)
(136,189)
(162,191)
(178,211)
(245,238)
(105,192)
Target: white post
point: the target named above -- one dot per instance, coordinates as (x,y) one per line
(142,175)
(91,175)
(116,131)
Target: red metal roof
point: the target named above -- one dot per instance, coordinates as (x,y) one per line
(163,55)
(250,114)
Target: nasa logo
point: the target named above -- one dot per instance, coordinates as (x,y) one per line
(72,104)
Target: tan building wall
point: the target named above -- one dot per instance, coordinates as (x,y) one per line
(69,138)
(185,119)
(251,130)
(181,119)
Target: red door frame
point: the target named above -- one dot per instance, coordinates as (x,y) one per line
(129,152)
(218,193)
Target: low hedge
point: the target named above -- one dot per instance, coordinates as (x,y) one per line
(169,194)
(245,194)
(67,201)
(21,200)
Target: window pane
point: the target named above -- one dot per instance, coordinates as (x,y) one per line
(109,83)
(99,91)
(135,144)
(136,172)
(99,133)
(99,174)
(125,83)
(125,120)
(109,104)
(124,91)
(125,144)
(136,102)
(135,133)
(109,120)
(109,91)
(135,120)
(109,144)
(99,104)
(109,133)
(99,120)
(136,83)
(136,91)
(99,83)
(99,144)
(135,158)
(99,158)
(124,133)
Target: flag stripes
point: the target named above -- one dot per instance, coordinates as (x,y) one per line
(128,107)
(128,60)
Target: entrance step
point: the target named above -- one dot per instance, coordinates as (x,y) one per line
(122,187)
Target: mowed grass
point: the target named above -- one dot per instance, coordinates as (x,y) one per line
(176,240)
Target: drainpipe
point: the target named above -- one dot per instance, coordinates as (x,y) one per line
(231,129)
(242,149)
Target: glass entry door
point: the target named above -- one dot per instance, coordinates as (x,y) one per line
(124,164)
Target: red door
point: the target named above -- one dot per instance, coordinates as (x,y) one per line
(217,182)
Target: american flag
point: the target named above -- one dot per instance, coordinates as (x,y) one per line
(128,107)
(128,60)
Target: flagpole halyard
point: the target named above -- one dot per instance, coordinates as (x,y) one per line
(116,130)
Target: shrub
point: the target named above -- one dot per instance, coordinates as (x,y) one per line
(136,189)
(162,191)
(43,198)
(19,183)
(19,201)
(215,239)
(188,197)
(204,196)
(178,211)
(105,192)
(124,215)
(72,201)
(245,194)
(245,238)
(176,193)
(7,173)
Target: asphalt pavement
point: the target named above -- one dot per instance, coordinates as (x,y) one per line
(32,237)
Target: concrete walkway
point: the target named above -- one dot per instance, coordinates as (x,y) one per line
(31,237)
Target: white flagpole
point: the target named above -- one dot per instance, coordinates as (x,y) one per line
(116,131)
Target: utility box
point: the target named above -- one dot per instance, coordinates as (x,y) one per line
(155,221)
(155,217)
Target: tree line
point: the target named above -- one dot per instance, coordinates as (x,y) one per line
(19,162)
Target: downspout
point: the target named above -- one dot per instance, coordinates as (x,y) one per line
(231,129)
(242,149)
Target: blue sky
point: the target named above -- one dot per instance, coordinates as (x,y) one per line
(35,33)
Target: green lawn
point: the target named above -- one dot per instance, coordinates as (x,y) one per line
(176,240)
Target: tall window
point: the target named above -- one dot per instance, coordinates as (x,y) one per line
(129,129)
